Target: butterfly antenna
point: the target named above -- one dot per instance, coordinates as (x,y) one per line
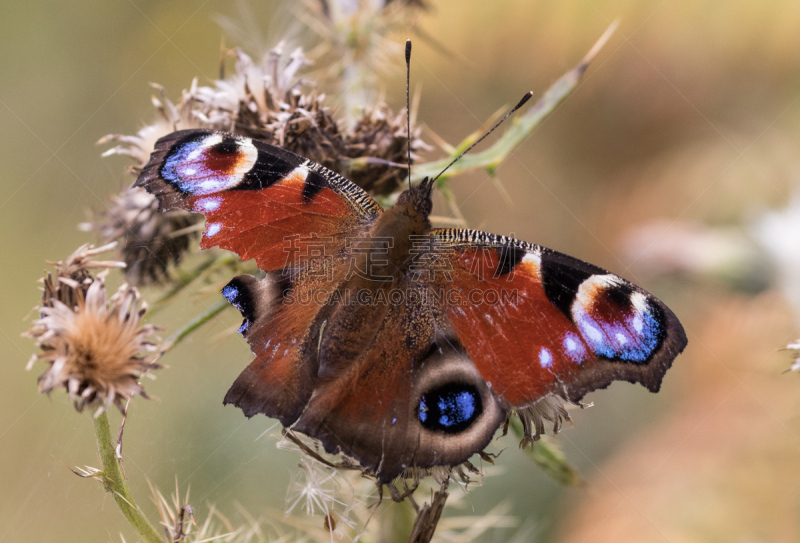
(492,129)
(408,108)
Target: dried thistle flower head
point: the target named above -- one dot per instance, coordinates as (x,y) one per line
(150,241)
(97,350)
(263,100)
(172,117)
(269,100)
(354,38)
(73,278)
(380,139)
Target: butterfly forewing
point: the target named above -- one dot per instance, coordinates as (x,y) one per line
(537,322)
(257,198)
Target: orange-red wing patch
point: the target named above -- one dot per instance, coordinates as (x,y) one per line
(536,322)
(279,381)
(271,223)
(514,334)
(258,199)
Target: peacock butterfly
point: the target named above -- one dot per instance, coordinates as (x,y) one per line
(398,344)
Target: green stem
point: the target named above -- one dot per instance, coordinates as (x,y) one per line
(215,262)
(114,482)
(194,324)
(397,521)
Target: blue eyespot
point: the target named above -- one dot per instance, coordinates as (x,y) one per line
(231,293)
(239,299)
(208,164)
(451,408)
(632,340)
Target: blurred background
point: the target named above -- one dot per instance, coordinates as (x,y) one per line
(672,164)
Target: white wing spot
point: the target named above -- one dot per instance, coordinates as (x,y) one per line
(607,280)
(300,171)
(639,302)
(545,358)
(208,204)
(594,334)
(533,259)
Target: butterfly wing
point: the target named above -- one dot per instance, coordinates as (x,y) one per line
(266,203)
(537,322)
(256,198)
(412,398)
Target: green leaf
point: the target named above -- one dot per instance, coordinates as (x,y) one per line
(520,128)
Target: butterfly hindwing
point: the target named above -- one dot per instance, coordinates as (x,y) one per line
(279,381)
(413,398)
(537,322)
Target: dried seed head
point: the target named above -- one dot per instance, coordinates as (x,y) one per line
(267,101)
(149,241)
(172,117)
(317,489)
(380,134)
(96,349)
(271,102)
(73,278)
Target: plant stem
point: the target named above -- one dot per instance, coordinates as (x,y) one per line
(195,324)
(114,482)
(428,517)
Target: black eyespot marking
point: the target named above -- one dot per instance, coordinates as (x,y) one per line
(621,296)
(561,280)
(313,185)
(450,408)
(268,170)
(508,256)
(240,297)
(227,146)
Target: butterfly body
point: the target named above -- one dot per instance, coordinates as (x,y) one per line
(392,342)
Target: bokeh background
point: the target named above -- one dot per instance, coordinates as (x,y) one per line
(689,116)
